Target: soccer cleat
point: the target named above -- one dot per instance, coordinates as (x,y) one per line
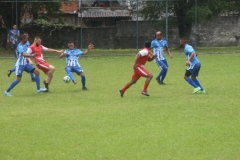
(9,73)
(33,80)
(201,91)
(145,93)
(158,80)
(84,88)
(196,89)
(42,90)
(121,93)
(75,82)
(162,83)
(7,94)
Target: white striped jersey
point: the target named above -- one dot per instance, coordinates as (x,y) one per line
(72,56)
(158,48)
(21,48)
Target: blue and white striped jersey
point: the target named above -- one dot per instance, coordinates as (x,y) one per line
(13,35)
(21,60)
(188,50)
(158,48)
(72,56)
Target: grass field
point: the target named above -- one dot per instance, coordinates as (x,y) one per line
(173,123)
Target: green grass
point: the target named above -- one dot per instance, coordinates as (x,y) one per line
(172,123)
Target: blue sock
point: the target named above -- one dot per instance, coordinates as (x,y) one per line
(83,81)
(13,69)
(14,83)
(190,81)
(70,73)
(32,75)
(163,74)
(198,84)
(37,79)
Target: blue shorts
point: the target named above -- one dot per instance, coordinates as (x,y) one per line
(75,69)
(27,68)
(194,70)
(162,64)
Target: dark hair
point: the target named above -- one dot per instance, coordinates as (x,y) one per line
(22,36)
(184,38)
(70,42)
(25,33)
(147,44)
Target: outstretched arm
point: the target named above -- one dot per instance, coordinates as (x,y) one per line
(90,46)
(63,55)
(190,58)
(168,52)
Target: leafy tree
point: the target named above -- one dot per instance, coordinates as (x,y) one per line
(181,12)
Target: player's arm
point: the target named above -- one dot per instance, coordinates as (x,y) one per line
(168,52)
(136,59)
(18,34)
(152,57)
(190,58)
(51,50)
(63,54)
(90,46)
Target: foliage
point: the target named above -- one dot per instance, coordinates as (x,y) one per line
(183,12)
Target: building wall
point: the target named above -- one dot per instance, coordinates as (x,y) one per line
(222,31)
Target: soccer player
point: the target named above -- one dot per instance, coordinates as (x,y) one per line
(13,37)
(158,46)
(139,71)
(14,68)
(193,68)
(72,54)
(36,48)
(22,65)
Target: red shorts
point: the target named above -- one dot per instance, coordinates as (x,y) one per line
(43,66)
(140,72)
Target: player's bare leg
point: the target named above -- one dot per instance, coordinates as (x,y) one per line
(148,80)
(49,77)
(129,84)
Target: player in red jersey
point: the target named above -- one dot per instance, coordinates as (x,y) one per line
(139,71)
(36,48)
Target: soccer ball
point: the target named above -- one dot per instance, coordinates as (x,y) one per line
(66,79)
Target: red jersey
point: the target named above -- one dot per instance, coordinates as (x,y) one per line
(145,54)
(37,50)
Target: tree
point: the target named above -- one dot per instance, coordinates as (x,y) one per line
(181,12)
(8,10)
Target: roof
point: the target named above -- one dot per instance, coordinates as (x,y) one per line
(97,13)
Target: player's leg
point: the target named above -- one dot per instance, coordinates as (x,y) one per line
(190,81)
(11,70)
(148,80)
(80,72)
(164,71)
(19,70)
(129,84)
(69,73)
(195,80)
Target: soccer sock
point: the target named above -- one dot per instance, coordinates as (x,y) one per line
(159,75)
(37,79)
(145,87)
(70,74)
(190,81)
(46,84)
(163,75)
(83,81)
(198,84)
(14,83)
(13,69)
(31,74)
(125,88)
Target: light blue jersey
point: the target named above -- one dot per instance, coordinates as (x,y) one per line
(188,50)
(21,60)
(72,57)
(13,35)
(28,44)
(158,48)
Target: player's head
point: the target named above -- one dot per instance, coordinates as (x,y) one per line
(183,41)
(23,38)
(147,44)
(37,41)
(159,35)
(26,34)
(14,26)
(71,45)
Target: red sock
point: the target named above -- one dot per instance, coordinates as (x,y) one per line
(145,87)
(125,88)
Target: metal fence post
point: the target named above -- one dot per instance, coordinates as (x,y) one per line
(195,34)
(137,27)
(166,20)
